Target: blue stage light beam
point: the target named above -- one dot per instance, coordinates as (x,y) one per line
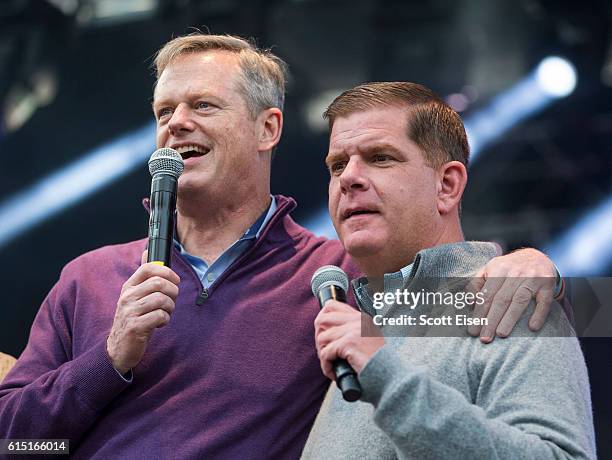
(74,182)
(586,249)
(553,78)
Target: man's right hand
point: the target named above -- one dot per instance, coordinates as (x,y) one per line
(146,303)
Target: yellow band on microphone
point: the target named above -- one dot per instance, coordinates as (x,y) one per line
(158,262)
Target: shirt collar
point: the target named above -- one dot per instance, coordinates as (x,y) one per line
(391,283)
(260,223)
(254,230)
(391,280)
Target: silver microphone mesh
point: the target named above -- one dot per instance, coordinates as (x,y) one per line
(166,160)
(326,275)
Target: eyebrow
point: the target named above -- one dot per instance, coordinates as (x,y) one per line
(333,157)
(380,147)
(192,95)
(158,104)
(373,149)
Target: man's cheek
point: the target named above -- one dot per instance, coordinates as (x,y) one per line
(161,139)
(332,204)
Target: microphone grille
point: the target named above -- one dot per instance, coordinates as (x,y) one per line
(326,275)
(166,160)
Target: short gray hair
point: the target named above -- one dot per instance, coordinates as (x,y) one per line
(263,73)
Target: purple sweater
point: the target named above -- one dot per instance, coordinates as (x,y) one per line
(235,377)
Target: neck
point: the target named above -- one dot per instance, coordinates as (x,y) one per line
(392,260)
(207,231)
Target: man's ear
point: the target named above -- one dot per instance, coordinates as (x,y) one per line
(453,179)
(270,127)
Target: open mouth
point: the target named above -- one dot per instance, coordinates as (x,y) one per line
(356,212)
(190,151)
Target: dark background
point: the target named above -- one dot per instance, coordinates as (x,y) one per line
(527,189)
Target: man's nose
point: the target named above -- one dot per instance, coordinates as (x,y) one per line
(181,120)
(354,176)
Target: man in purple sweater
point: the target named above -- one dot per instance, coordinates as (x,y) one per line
(215,357)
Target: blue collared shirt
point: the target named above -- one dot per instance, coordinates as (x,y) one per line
(208,274)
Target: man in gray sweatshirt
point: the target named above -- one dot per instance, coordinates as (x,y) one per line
(397,160)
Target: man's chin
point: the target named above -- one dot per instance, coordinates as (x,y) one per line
(193,180)
(362,246)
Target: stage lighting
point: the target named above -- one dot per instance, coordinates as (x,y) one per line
(586,248)
(552,79)
(71,184)
(556,76)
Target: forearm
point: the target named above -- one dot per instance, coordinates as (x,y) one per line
(427,418)
(57,403)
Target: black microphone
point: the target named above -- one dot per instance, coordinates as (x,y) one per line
(330,282)
(165,166)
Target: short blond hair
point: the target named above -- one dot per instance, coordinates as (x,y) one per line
(432,124)
(263,74)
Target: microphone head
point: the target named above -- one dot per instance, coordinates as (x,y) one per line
(327,275)
(166,161)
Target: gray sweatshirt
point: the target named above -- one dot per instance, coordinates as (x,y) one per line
(455,398)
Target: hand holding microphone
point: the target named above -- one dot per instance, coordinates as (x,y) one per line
(342,350)
(147,297)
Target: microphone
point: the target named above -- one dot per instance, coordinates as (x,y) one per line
(165,166)
(330,282)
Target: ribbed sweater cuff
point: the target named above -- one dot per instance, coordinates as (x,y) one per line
(96,380)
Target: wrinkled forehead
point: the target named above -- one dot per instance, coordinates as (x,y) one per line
(365,129)
(193,69)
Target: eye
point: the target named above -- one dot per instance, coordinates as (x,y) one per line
(203,105)
(164,112)
(381,158)
(336,167)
